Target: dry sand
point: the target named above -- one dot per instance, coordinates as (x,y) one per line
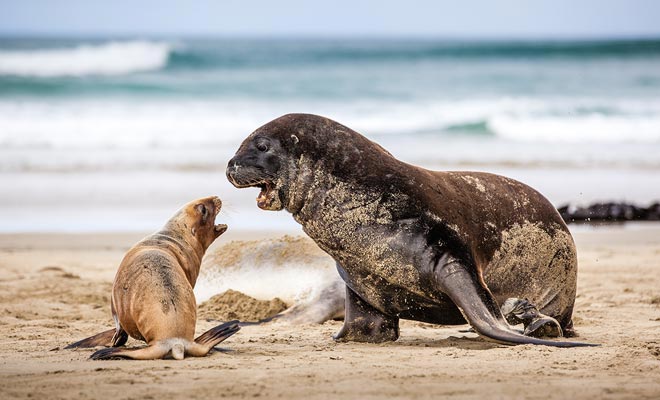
(232,305)
(54,289)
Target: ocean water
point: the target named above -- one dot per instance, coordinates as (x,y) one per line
(115,134)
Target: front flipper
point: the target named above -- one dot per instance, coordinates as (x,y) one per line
(478,305)
(363,323)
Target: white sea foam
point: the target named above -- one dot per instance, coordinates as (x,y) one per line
(523,119)
(117,124)
(111,58)
(91,135)
(578,129)
(162,123)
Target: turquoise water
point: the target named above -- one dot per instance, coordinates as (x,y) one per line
(394,69)
(548,91)
(581,119)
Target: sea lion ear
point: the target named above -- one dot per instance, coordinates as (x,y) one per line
(295,139)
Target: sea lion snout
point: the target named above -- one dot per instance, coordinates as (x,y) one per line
(244,172)
(216,203)
(231,170)
(241,174)
(219,228)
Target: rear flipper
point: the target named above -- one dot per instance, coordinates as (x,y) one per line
(109,338)
(177,348)
(521,311)
(214,336)
(478,306)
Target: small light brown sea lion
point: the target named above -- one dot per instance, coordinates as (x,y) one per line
(152,295)
(445,247)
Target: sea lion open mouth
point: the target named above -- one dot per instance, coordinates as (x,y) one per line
(219,229)
(266,195)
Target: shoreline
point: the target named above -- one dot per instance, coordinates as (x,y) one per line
(119,238)
(141,201)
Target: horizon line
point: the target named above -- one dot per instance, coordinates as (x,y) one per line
(317,36)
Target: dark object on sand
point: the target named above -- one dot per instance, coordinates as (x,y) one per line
(609,212)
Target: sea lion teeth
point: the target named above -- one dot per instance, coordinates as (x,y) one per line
(152,295)
(265,197)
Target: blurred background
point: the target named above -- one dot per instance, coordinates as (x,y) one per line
(113,114)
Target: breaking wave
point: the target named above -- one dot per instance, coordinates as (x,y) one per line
(110,58)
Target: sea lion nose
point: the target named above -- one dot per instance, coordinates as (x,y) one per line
(217,203)
(231,169)
(231,165)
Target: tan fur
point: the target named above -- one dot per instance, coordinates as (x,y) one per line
(152,294)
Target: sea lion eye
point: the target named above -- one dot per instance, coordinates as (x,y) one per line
(201,208)
(262,146)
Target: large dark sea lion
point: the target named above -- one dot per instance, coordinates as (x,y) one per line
(439,247)
(152,295)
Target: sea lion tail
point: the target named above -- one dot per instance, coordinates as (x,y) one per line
(104,338)
(218,334)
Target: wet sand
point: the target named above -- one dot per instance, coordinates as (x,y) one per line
(54,289)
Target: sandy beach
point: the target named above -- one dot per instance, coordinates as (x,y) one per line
(115,114)
(55,289)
